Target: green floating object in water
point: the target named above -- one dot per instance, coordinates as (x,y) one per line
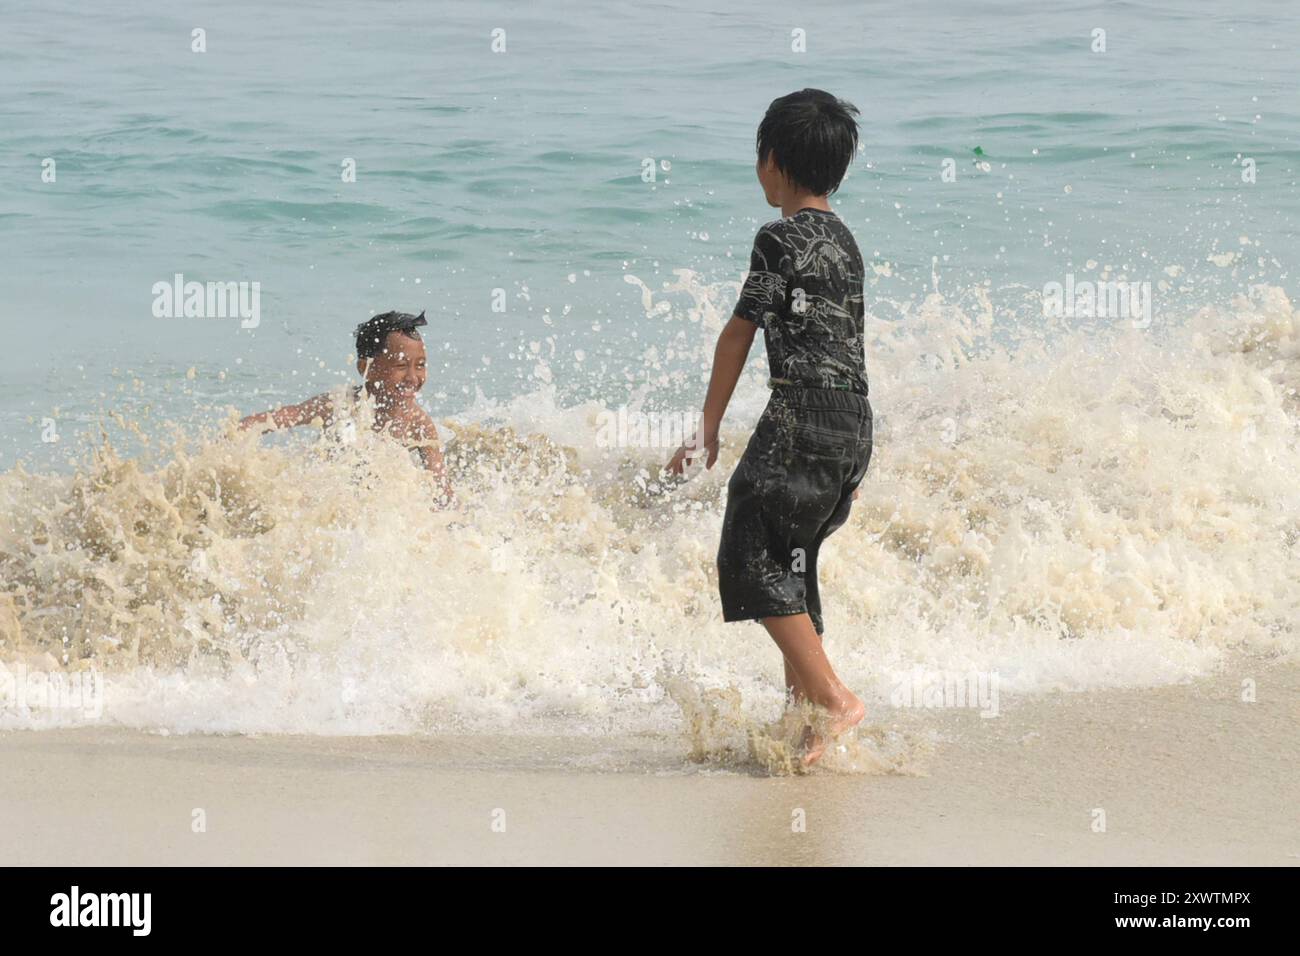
(979,151)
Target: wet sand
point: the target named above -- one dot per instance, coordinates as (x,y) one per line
(1189,774)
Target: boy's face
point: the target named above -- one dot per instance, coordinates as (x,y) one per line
(772,180)
(398,371)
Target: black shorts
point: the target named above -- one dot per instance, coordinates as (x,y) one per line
(794,486)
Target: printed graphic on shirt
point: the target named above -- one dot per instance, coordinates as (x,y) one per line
(805,289)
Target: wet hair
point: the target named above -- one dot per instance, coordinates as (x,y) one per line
(812,136)
(372,333)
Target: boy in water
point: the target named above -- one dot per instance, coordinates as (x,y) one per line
(796,481)
(391,359)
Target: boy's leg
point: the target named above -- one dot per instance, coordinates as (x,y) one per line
(793,689)
(812,592)
(836,520)
(807,663)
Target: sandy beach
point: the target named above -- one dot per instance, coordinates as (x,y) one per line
(1187,775)
(401,454)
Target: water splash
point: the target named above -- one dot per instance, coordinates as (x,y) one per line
(1096,507)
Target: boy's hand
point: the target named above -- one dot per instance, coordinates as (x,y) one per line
(691,450)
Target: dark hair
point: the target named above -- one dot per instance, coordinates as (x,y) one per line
(372,333)
(812,136)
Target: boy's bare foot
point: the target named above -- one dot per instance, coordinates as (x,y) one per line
(841,719)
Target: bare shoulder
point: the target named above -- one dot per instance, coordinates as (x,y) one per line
(414,426)
(423,427)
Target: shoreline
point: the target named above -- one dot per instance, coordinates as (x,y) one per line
(1186,775)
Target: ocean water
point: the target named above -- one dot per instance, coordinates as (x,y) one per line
(1068,501)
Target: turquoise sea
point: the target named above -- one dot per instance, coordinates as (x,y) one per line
(520,169)
(1070,504)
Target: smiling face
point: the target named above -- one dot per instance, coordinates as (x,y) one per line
(398,371)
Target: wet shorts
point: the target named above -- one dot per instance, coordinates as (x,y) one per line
(794,486)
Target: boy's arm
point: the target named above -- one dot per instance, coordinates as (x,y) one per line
(431,456)
(729,358)
(425,435)
(290,416)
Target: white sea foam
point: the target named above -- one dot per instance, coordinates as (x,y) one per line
(1112,507)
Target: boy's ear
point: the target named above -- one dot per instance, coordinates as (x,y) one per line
(772,180)
(361,367)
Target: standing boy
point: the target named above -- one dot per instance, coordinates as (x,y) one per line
(796,481)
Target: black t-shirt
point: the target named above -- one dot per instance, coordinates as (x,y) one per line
(805,290)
